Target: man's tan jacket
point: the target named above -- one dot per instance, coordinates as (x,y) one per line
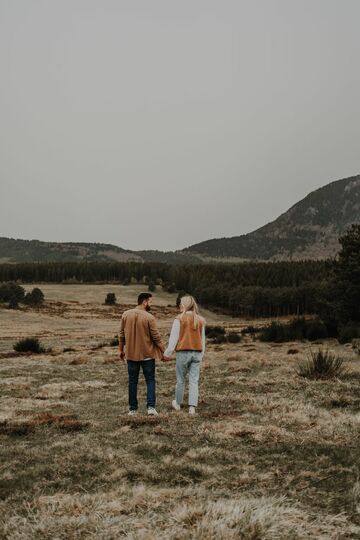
(139,334)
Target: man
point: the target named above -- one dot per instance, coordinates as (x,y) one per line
(141,343)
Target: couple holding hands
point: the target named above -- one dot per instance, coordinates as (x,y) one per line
(140,344)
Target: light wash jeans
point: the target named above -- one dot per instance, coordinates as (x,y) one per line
(188,362)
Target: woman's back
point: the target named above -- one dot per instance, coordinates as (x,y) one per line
(191,332)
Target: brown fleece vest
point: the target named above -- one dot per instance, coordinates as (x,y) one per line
(190,338)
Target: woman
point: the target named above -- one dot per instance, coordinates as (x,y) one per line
(188,339)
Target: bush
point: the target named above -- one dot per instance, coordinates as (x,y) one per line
(170,287)
(249,330)
(348,333)
(316,330)
(29,345)
(356,345)
(234,337)
(13,303)
(322,365)
(211,331)
(275,332)
(114,342)
(35,297)
(9,291)
(216,334)
(218,339)
(152,286)
(110,299)
(297,329)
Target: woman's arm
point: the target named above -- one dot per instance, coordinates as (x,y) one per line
(203,340)
(173,339)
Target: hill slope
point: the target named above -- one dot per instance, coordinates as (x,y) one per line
(14,250)
(17,251)
(309,229)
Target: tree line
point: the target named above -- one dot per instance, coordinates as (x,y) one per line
(252,288)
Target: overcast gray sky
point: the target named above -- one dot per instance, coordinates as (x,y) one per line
(160,123)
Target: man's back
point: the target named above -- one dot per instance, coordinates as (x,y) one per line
(139,333)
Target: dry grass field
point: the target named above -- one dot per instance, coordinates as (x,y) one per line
(269,456)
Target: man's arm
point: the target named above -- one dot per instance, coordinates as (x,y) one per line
(122,339)
(155,334)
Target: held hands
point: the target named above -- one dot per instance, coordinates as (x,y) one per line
(166,359)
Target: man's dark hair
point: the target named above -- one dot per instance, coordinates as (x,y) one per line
(143,296)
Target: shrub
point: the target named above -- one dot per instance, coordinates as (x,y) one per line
(114,342)
(275,331)
(297,329)
(211,331)
(249,330)
(356,345)
(10,290)
(29,345)
(234,337)
(152,286)
(322,365)
(216,334)
(316,330)
(35,297)
(13,303)
(348,333)
(218,339)
(110,299)
(170,287)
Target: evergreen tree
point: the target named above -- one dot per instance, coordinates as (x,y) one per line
(347,277)
(35,297)
(110,299)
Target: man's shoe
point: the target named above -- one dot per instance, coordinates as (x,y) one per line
(152,411)
(192,410)
(132,413)
(175,405)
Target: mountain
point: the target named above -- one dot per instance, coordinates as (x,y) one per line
(17,251)
(14,250)
(308,230)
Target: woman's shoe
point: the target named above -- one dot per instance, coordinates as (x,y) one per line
(152,411)
(192,410)
(175,405)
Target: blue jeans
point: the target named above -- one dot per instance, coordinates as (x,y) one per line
(188,362)
(148,368)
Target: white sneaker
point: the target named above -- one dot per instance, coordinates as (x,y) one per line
(175,405)
(132,413)
(192,410)
(152,411)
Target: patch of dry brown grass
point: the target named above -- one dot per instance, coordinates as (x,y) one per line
(137,512)
(269,455)
(25,426)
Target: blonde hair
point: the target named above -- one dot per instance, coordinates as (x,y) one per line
(188,303)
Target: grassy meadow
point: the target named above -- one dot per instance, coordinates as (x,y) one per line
(270,455)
